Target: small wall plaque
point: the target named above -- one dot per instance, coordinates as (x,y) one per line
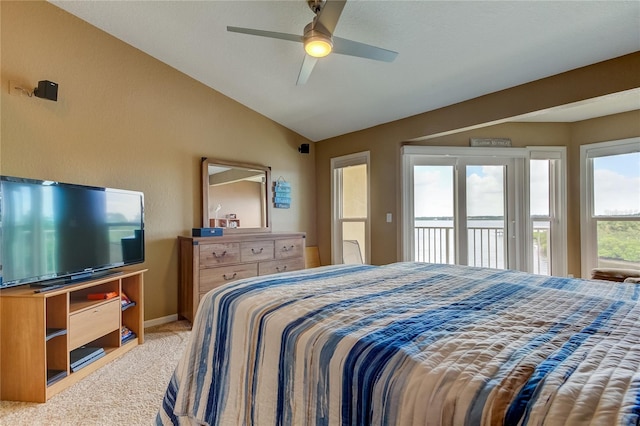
(490,142)
(281,194)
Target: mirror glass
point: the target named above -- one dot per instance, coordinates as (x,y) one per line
(236,196)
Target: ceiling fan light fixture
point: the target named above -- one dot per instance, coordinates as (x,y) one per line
(318,46)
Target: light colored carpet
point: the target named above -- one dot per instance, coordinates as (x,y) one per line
(127,391)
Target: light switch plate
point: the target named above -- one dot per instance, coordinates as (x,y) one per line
(16,89)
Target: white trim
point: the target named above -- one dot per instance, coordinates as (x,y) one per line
(354,159)
(616,147)
(161,320)
(406,206)
(459,151)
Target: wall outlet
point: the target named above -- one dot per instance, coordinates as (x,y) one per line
(389,217)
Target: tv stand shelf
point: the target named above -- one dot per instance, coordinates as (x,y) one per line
(39,330)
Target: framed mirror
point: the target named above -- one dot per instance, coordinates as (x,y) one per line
(236,196)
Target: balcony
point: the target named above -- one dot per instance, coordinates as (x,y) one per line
(436,244)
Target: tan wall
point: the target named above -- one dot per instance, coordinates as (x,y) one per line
(126,120)
(384,143)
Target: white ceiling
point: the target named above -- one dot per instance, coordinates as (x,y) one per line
(449,51)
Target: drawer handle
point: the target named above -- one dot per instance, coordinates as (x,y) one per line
(219,256)
(257,252)
(284,268)
(229,278)
(285,248)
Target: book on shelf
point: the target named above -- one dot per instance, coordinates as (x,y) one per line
(102,296)
(54,332)
(126,334)
(125,301)
(55,375)
(83,356)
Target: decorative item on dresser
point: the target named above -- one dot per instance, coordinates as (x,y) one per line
(209,262)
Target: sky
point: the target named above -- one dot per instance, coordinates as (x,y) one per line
(617,188)
(433,191)
(484,191)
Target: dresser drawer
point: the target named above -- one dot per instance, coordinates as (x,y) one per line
(282,265)
(289,248)
(215,277)
(93,323)
(219,254)
(253,251)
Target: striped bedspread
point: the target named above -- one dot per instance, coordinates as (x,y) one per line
(410,344)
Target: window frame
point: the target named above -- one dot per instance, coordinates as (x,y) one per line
(588,219)
(337,163)
(557,206)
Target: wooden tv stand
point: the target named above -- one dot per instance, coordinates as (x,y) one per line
(39,331)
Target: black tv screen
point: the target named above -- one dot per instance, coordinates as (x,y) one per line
(53,231)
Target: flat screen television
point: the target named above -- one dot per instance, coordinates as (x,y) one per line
(56,233)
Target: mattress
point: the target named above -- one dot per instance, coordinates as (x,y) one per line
(410,344)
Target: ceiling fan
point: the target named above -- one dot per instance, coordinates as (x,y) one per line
(318,38)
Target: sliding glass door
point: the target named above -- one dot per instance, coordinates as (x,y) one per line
(462,209)
(494,207)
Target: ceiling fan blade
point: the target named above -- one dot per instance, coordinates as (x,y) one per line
(305,71)
(330,13)
(262,33)
(355,48)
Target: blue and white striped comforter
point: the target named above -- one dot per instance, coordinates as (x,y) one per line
(410,344)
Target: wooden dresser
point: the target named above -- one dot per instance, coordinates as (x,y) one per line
(209,262)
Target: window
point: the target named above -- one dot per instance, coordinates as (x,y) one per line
(610,205)
(547,205)
(350,207)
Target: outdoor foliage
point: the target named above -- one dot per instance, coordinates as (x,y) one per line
(619,240)
(540,237)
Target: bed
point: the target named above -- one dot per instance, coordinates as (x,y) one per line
(410,344)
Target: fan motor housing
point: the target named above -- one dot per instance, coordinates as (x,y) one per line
(315,5)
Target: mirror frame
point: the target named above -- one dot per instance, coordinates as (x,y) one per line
(206,162)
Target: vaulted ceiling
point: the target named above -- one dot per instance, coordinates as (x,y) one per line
(448,52)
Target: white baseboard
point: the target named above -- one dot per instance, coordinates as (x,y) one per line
(161,320)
